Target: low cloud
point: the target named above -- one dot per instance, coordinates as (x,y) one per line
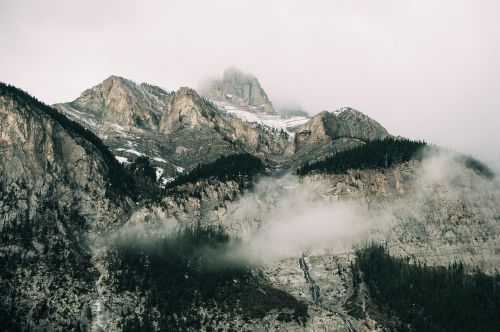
(286,217)
(446,208)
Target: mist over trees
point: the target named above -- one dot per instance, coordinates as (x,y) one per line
(380,154)
(181,273)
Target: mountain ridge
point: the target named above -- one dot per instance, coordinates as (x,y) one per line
(124,114)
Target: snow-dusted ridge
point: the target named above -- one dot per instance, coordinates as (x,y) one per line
(272,121)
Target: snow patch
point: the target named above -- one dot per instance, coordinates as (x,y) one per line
(159,173)
(122,160)
(137,153)
(166,180)
(161,160)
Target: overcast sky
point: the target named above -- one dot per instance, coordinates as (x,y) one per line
(423,69)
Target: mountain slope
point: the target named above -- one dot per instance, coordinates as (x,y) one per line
(58,185)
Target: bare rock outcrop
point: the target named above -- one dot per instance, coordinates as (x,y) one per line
(344,123)
(240,89)
(55,191)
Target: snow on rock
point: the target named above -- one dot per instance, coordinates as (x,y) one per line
(161,160)
(161,178)
(132,151)
(77,115)
(166,180)
(159,173)
(122,160)
(272,121)
(119,130)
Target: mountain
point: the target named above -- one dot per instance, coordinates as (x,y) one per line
(240,89)
(134,208)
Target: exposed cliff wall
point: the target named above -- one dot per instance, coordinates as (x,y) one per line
(55,191)
(240,89)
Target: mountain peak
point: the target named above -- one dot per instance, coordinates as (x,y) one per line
(344,122)
(240,89)
(115,78)
(119,100)
(186,91)
(239,77)
(116,81)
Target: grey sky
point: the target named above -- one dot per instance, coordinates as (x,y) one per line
(424,69)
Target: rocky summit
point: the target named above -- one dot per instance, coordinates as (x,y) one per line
(133,208)
(240,89)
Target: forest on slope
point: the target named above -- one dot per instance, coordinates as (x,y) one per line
(417,297)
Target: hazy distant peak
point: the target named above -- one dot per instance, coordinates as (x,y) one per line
(235,73)
(240,89)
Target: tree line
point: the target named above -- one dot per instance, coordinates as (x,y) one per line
(371,155)
(224,168)
(379,154)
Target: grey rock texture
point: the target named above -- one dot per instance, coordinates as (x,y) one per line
(121,101)
(432,218)
(344,123)
(240,89)
(54,193)
(136,120)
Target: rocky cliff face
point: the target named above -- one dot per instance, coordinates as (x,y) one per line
(330,132)
(56,190)
(240,89)
(122,101)
(344,123)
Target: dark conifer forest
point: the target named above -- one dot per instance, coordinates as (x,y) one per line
(185,271)
(371,155)
(424,298)
(231,167)
(384,153)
